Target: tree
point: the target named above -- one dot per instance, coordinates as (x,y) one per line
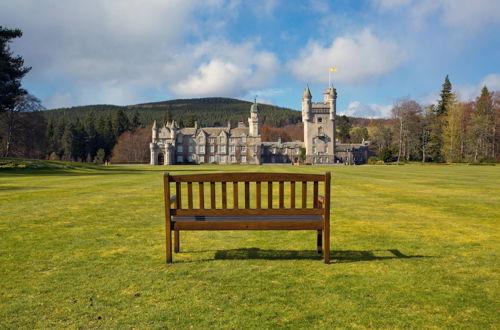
(91,144)
(135,122)
(167,117)
(359,134)
(190,120)
(12,70)
(15,124)
(406,113)
(483,127)
(446,98)
(344,127)
(132,146)
(120,123)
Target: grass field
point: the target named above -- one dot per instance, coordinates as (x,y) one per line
(413,246)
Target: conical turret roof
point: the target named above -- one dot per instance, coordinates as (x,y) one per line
(307,93)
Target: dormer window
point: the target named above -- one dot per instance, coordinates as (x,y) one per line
(222,139)
(243,139)
(200,139)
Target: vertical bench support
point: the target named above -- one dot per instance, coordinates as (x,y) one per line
(326,220)
(168,223)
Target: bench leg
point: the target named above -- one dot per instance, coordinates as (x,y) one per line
(319,241)
(169,245)
(326,246)
(176,241)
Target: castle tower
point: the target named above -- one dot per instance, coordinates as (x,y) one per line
(319,127)
(253,121)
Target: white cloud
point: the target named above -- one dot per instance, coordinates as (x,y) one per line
(227,70)
(463,15)
(470,92)
(357,57)
(358,109)
(102,51)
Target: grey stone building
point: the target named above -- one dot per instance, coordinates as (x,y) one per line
(243,144)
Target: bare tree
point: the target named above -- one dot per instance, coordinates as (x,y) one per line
(406,114)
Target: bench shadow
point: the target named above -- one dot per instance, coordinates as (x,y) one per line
(336,256)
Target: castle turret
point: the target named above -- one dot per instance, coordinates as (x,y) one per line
(253,121)
(306,104)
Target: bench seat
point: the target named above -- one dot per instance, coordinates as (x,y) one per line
(256,222)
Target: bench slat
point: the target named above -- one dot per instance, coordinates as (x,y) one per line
(247,195)
(212,195)
(224,195)
(292,194)
(258,196)
(245,212)
(256,225)
(244,177)
(178,202)
(315,194)
(304,194)
(190,195)
(235,195)
(270,195)
(202,194)
(282,195)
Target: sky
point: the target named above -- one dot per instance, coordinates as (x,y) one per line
(127,52)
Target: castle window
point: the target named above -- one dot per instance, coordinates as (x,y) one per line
(315,140)
(179,148)
(179,159)
(233,159)
(190,149)
(222,139)
(212,140)
(222,159)
(222,148)
(200,139)
(231,148)
(201,149)
(243,159)
(232,140)
(255,148)
(314,150)
(320,119)
(179,138)
(212,159)
(243,139)
(243,149)
(212,148)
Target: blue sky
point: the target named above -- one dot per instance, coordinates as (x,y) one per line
(128,52)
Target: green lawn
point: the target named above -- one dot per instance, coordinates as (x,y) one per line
(412,246)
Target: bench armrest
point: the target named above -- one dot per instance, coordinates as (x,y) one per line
(173,199)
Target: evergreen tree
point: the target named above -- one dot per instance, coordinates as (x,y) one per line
(446,98)
(12,70)
(91,144)
(190,120)
(344,127)
(167,117)
(67,142)
(135,120)
(120,123)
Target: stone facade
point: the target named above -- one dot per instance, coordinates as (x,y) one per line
(243,144)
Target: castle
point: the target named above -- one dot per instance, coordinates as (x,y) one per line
(243,144)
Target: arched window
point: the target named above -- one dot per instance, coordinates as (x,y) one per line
(161,159)
(320,131)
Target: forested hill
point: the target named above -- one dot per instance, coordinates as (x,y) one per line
(213,111)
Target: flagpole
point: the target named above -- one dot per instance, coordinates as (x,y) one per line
(329,78)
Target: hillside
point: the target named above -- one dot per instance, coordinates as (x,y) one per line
(213,111)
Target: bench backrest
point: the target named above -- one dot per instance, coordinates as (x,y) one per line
(231,194)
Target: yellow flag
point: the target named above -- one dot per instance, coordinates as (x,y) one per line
(333,69)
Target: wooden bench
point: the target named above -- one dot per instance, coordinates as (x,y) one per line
(279,212)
